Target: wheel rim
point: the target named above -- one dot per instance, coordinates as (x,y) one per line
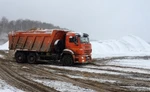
(31,58)
(67,60)
(20,57)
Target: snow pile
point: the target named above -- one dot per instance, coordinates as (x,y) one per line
(126,46)
(4,46)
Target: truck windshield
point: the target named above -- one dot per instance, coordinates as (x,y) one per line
(84,39)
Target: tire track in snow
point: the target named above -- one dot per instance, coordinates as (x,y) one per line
(21,82)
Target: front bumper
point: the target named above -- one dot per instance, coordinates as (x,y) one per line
(83,59)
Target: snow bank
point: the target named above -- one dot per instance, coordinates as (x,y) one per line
(4,46)
(126,46)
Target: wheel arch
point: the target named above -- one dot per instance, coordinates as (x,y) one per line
(68,52)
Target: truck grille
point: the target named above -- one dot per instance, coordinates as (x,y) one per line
(87,47)
(87,52)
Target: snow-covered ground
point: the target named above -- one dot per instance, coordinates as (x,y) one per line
(4,87)
(133,64)
(1,56)
(63,86)
(145,64)
(86,70)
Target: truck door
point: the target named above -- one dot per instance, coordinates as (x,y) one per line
(72,43)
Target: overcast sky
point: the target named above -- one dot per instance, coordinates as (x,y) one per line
(102,19)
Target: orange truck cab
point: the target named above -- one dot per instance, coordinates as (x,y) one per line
(79,46)
(66,47)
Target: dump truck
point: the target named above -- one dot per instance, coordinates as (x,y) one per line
(66,47)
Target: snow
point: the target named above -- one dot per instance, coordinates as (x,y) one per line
(4,46)
(126,46)
(1,56)
(144,64)
(124,69)
(137,78)
(95,79)
(62,86)
(147,89)
(86,70)
(4,87)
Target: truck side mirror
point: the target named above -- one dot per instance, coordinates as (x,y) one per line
(76,40)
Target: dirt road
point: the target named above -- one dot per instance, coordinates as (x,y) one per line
(97,76)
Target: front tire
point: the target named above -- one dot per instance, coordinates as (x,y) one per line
(20,57)
(67,60)
(32,58)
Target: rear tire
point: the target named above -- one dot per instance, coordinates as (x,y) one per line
(32,58)
(67,60)
(20,57)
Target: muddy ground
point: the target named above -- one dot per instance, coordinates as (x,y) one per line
(88,76)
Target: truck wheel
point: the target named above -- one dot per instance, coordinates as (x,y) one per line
(67,60)
(20,57)
(32,58)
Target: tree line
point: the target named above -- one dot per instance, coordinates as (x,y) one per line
(21,24)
